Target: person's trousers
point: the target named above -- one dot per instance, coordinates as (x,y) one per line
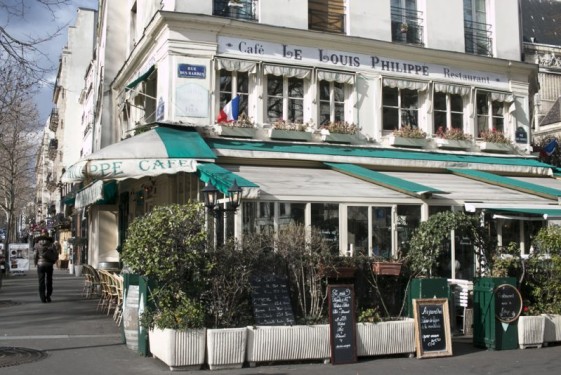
(45,273)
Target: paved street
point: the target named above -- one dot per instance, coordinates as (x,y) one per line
(74,339)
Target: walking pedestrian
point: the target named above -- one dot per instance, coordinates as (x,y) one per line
(46,256)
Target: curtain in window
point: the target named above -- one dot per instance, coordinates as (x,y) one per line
(339,77)
(503,97)
(236,65)
(287,71)
(409,85)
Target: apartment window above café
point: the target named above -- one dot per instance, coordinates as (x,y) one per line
(400,103)
(407,22)
(334,91)
(285,87)
(491,109)
(448,107)
(477,31)
(232,84)
(238,9)
(327,15)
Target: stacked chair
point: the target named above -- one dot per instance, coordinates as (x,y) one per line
(107,287)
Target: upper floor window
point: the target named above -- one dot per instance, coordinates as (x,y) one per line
(406,22)
(334,90)
(285,93)
(239,9)
(491,109)
(477,32)
(400,103)
(232,84)
(326,15)
(448,107)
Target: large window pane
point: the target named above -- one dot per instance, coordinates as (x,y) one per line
(408,219)
(357,230)
(291,213)
(325,217)
(382,231)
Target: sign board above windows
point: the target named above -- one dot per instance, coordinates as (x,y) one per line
(256,49)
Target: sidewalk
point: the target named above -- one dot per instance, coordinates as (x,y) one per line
(79,340)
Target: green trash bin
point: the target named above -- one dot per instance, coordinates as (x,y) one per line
(488,330)
(427,288)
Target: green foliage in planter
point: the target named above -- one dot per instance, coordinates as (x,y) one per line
(429,239)
(370,315)
(228,294)
(167,245)
(305,252)
(543,272)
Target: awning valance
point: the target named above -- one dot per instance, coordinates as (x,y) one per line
(98,192)
(143,77)
(223,179)
(506,211)
(451,89)
(232,65)
(161,150)
(339,77)
(510,183)
(405,84)
(287,71)
(390,182)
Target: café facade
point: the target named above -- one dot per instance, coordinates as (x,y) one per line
(366,190)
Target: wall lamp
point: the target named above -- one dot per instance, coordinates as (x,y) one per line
(210,194)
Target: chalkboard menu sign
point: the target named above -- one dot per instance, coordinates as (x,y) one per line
(432,327)
(508,303)
(271,301)
(342,324)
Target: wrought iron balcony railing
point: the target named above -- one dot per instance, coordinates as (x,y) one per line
(53,122)
(329,18)
(478,38)
(407,26)
(238,9)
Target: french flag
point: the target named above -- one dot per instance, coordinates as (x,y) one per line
(230,111)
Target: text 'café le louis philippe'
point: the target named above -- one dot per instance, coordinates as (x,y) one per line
(376,63)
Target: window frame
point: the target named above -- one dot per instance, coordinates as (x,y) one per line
(224,96)
(400,93)
(448,111)
(285,97)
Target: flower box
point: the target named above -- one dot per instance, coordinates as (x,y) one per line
(453,144)
(386,268)
(236,132)
(179,349)
(552,330)
(385,338)
(531,331)
(226,348)
(340,138)
(494,147)
(287,343)
(290,135)
(407,142)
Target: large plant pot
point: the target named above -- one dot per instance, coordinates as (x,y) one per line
(179,349)
(226,348)
(271,343)
(394,337)
(386,268)
(531,331)
(552,328)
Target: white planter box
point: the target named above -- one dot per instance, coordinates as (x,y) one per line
(494,147)
(531,331)
(236,132)
(407,142)
(271,343)
(180,350)
(226,348)
(552,330)
(290,135)
(340,138)
(453,144)
(385,338)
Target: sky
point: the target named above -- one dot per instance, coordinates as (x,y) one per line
(38,23)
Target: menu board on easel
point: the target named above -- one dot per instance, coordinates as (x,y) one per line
(342,324)
(432,327)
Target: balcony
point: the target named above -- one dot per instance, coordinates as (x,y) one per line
(237,9)
(53,123)
(328,17)
(478,38)
(407,26)
(53,147)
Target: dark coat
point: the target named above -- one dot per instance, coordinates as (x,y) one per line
(45,252)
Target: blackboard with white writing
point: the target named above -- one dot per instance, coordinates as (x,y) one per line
(508,303)
(432,327)
(271,301)
(342,324)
